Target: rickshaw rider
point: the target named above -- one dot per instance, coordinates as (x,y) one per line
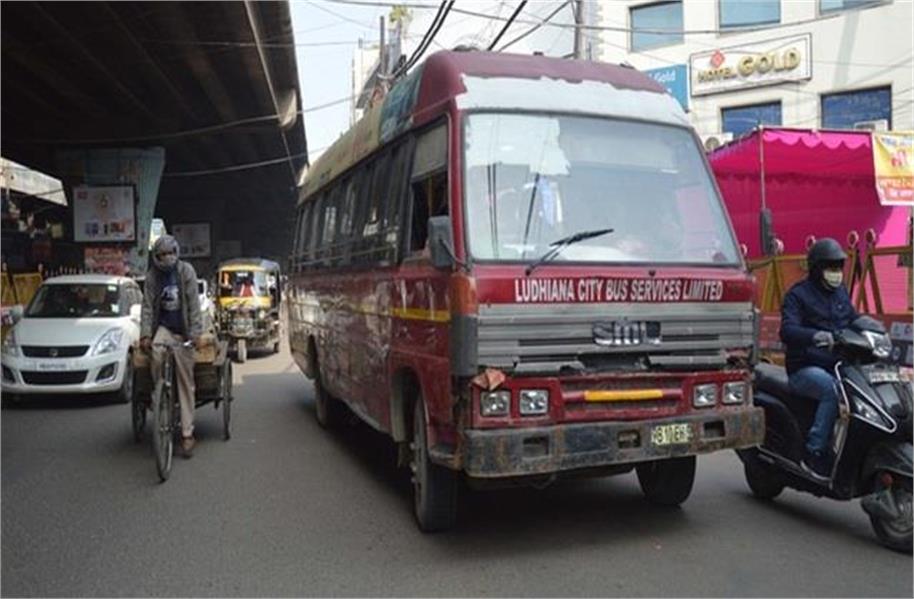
(171,314)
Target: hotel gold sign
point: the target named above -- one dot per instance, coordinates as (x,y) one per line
(749,64)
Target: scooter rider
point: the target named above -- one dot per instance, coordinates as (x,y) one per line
(171,314)
(813,311)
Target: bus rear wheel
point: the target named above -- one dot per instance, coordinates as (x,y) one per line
(434,487)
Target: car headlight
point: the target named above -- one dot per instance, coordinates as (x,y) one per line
(494,403)
(880,343)
(534,402)
(109,342)
(10,345)
(735,393)
(704,396)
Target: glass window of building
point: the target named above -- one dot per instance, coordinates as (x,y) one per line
(741,119)
(742,13)
(833,5)
(843,110)
(662,16)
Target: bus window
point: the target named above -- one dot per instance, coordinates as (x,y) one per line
(428,189)
(429,198)
(396,190)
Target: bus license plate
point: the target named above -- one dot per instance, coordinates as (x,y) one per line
(671,434)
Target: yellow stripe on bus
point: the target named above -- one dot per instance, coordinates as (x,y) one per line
(422,314)
(627,395)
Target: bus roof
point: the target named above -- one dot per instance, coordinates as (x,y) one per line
(469,80)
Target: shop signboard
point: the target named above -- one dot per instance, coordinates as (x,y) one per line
(193,239)
(104,213)
(110,260)
(675,79)
(893,163)
(752,65)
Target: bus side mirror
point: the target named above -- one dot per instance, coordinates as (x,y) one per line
(441,242)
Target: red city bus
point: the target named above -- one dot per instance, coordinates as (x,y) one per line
(519,267)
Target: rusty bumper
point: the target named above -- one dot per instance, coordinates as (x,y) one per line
(552,449)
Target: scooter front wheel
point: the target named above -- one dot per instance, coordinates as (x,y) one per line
(893,526)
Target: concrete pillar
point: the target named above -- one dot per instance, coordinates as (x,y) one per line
(141,167)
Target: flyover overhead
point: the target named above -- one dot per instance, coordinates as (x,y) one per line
(213,83)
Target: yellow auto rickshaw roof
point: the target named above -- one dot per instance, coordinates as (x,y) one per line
(237,264)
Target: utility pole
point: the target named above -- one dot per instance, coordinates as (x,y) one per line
(382,58)
(578,32)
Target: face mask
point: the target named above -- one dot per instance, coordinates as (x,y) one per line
(167,262)
(833,278)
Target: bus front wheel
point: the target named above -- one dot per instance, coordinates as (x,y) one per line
(434,487)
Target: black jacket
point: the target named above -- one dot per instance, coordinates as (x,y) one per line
(808,308)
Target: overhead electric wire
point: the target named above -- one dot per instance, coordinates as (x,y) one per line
(236,167)
(535,27)
(504,29)
(660,31)
(434,28)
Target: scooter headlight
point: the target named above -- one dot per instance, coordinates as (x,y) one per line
(880,343)
(867,412)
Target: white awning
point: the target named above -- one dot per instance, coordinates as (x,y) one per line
(22,179)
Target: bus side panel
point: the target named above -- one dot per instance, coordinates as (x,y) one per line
(420,340)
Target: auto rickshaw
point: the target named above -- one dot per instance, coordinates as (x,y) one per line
(248,307)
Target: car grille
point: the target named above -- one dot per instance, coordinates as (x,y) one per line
(54,351)
(72,377)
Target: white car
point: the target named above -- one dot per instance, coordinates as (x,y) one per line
(75,337)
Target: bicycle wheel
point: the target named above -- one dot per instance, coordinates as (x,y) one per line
(162,409)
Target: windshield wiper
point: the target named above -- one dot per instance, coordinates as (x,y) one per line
(560,244)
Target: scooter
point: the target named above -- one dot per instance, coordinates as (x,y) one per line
(871,440)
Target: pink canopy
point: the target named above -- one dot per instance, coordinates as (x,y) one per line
(818,183)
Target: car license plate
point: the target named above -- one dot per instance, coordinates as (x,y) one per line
(884,376)
(671,434)
(52,366)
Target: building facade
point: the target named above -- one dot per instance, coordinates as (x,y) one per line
(737,64)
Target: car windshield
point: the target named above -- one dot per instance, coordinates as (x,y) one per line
(75,300)
(243,283)
(534,179)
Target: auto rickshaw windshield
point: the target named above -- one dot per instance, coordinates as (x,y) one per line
(243,283)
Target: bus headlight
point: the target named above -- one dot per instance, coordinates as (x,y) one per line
(494,403)
(704,396)
(534,402)
(734,393)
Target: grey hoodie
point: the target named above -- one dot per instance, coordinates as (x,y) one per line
(190,301)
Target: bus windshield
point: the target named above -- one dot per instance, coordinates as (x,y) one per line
(533,179)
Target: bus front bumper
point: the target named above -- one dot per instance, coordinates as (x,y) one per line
(559,448)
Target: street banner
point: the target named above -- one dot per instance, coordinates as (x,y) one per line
(104,213)
(893,164)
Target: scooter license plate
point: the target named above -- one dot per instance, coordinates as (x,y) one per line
(884,376)
(671,434)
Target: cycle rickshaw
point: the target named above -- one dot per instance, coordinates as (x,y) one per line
(213,384)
